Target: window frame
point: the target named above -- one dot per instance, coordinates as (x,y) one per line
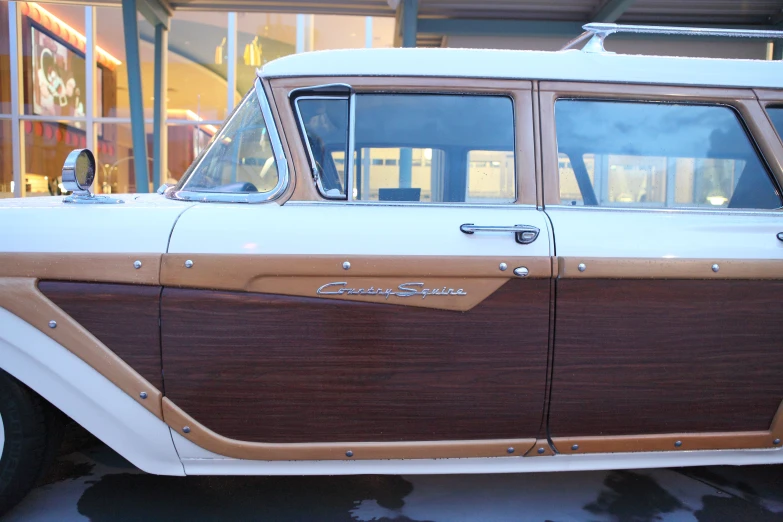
(742,101)
(313,94)
(242,197)
(527,171)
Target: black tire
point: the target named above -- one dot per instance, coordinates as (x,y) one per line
(33,428)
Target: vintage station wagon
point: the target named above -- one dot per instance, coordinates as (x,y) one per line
(420,261)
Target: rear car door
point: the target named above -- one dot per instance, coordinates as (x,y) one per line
(665,203)
(398,307)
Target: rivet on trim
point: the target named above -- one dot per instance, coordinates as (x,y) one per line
(188,263)
(52,324)
(349,453)
(575,447)
(541,451)
(186,429)
(346,265)
(715,267)
(510,450)
(776,442)
(143,395)
(137,264)
(503,267)
(678,444)
(582,267)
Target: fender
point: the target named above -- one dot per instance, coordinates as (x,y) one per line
(86,396)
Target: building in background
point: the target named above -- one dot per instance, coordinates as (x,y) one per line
(54,112)
(50,53)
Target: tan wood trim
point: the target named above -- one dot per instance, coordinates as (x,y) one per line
(669,442)
(537,146)
(518,90)
(21,297)
(742,100)
(103,268)
(660,268)
(211,441)
(550,172)
(645,92)
(478,277)
(541,448)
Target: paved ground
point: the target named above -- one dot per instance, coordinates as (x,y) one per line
(96,484)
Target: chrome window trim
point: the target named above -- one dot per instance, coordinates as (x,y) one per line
(313,169)
(349,155)
(244,197)
(707,211)
(419,204)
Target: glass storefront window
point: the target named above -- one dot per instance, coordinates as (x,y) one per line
(198,64)
(115,160)
(5,61)
(112,72)
(53,64)
(6,166)
(382,32)
(338,32)
(185,143)
(261,38)
(46,145)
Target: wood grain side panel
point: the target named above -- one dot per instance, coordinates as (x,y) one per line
(21,297)
(270,368)
(123,317)
(675,356)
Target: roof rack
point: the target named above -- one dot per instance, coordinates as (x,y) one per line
(598,32)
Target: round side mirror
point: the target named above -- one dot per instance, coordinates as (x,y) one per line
(79,171)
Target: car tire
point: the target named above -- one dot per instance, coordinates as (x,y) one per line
(32,434)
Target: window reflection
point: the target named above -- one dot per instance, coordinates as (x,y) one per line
(665,155)
(434,148)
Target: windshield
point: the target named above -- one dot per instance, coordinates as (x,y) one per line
(239,159)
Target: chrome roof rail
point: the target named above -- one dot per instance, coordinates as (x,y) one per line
(598,32)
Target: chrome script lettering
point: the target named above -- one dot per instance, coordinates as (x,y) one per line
(402,290)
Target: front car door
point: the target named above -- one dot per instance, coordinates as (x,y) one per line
(665,207)
(372,311)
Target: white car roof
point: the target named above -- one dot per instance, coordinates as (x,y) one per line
(571,65)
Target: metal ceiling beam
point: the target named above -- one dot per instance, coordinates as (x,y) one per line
(481,27)
(156,12)
(611,11)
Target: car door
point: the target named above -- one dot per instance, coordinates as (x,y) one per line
(665,207)
(378,312)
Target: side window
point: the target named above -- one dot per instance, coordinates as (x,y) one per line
(434,148)
(636,154)
(239,159)
(776,115)
(324,121)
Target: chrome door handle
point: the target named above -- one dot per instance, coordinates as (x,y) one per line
(524,234)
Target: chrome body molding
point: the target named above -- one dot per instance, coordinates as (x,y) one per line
(403,290)
(245,197)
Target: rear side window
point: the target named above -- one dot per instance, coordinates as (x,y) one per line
(636,154)
(776,115)
(434,148)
